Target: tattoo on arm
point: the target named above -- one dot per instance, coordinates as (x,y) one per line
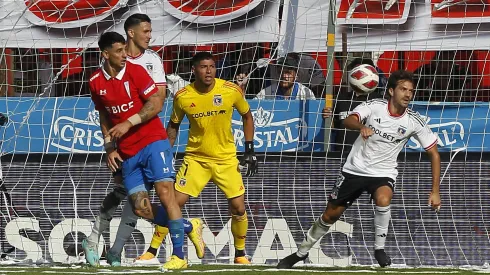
(152,106)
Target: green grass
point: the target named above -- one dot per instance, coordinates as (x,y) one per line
(229,269)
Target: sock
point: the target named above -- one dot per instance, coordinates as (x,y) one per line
(158,236)
(161,217)
(126,227)
(239,227)
(187,227)
(316,231)
(106,211)
(382,216)
(176,228)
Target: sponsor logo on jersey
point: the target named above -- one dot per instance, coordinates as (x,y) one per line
(217,100)
(193,105)
(147,91)
(381,134)
(208,113)
(378,120)
(117,109)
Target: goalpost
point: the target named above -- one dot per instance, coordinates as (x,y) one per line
(55,175)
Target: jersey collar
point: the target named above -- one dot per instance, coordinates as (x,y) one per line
(119,76)
(394,115)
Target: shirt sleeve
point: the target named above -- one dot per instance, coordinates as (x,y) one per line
(240,103)
(423,133)
(95,97)
(158,71)
(145,85)
(362,111)
(177,112)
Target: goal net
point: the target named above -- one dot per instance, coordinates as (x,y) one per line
(54,172)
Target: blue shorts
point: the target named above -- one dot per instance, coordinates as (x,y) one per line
(154,163)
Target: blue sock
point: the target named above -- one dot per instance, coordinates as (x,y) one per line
(187,227)
(161,217)
(176,228)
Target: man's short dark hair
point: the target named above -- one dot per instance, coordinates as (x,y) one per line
(288,63)
(135,20)
(200,56)
(359,61)
(107,39)
(397,76)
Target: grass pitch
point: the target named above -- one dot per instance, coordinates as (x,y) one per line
(230,270)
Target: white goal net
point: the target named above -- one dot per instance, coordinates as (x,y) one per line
(54,172)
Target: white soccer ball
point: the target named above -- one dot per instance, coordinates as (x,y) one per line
(364,78)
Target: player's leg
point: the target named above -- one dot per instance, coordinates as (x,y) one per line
(185,184)
(382,197)
(124,231)
(228,178)
(103,219)
(346,190)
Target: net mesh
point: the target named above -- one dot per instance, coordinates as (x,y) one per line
(54,174)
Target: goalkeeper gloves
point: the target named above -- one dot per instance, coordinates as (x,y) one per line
(3,119)
(249,163)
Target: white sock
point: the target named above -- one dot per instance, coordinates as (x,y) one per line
(382,217)
(316,231)
(100,225)
(126,227)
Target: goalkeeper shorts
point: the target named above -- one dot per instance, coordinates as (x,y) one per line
(194,175)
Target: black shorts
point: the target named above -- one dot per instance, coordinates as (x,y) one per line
(349,187)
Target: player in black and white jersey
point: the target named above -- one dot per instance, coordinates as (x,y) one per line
(385,127)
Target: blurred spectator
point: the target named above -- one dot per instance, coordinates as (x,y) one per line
(346,101)
(288,87)
(310,73)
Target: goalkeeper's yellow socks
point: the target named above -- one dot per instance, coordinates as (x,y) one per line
(239,227)
(158,236)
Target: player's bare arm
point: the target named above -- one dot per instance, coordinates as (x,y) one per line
(113,157)
(352,122)
(435,160)
(248,126)
(172,130)
(151,108)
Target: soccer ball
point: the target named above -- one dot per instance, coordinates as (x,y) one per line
(364,78)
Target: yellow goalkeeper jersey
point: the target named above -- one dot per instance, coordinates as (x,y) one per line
(209,114)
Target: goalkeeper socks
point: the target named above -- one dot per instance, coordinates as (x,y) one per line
(161,217)
(158,236)
(239,227)
(126,227)
(176,228)
(316,231)
(382,217)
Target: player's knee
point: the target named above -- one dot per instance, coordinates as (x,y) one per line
(383,200)
(330,218)
(238,210)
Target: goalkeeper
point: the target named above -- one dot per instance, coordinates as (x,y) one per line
(210,154)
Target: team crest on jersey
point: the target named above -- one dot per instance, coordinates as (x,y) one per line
(217,100)
(402,130)
(182,182)
(103,92)
(149,67)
